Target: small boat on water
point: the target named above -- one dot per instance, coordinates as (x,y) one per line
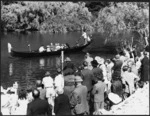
(36,53)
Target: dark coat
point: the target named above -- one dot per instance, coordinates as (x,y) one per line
(62,105)
(117,87)
(38,107)
(79,101)
(117,68)
(88,78)
(98,73)
(145,69)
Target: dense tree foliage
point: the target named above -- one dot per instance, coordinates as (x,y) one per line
(109,18)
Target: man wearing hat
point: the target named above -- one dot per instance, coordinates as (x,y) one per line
(68,66)
(50,92)
(78,100)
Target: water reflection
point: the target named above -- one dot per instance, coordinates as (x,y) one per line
(42,63)
(10,69)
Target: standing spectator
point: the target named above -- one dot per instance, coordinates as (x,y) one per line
(69,85)
(37,106)
(98,92)
(22,103)
(129,79)
(132,65)
(88,76)
(78,100)
(59,81)
(88,79)
(96,70)
(62,105)
(117,87)
(69,67)
(145,68)
(88,59)
(117,67)
(39,86)
(50,92)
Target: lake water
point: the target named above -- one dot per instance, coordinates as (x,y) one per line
(26,70)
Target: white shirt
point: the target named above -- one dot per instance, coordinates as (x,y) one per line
(41,49)
(129,78)
(48,49)
(47,81)
(84,35)
(59,81)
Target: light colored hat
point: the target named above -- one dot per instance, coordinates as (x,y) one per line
(48,46)
(117,57)
(78,79)
(99,60)
(67,59)
(114,98)
(47,73)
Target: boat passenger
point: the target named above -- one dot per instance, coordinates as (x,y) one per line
(41,49)
(48,48)
(52,47)
(57,46)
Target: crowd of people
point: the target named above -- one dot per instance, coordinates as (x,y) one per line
(96,85)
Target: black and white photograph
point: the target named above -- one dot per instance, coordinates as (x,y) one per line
(74,58)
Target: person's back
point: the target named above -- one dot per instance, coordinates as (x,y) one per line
(98,91)
(82,105)
(62,105)
(47,81)
(97,72)
(88,78)
(37,106)
(69,85)
(129,78)
(145,68)
(117,87)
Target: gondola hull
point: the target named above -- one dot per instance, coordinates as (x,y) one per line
(37,54)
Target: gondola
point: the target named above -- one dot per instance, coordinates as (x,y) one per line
(35,53)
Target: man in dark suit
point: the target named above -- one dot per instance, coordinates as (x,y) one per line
(38,107)
(145,68)
(62,105)
(96,71)
(117,67)
(78,100)
(88,79)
